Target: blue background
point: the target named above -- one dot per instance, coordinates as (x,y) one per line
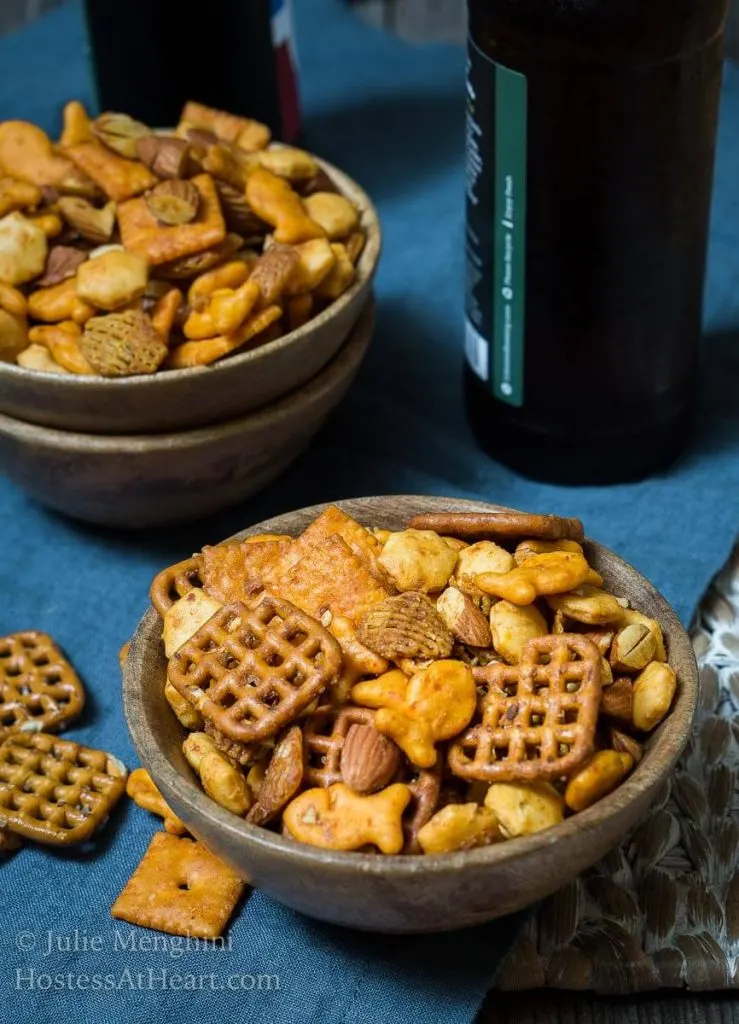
(393,116)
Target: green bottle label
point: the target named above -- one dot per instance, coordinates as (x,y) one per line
(497,122)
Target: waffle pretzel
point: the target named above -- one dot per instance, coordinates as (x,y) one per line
(174,582)
(251,671)
(323,741)
(536,719)
(39,689)
(55,791)
(499,525)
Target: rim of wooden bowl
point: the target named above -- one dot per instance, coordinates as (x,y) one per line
(366,266)
(345,362)
(667,742)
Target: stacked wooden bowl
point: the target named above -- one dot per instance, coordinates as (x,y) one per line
(180,444)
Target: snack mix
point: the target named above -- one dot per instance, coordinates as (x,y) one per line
(126,251)
(461,682)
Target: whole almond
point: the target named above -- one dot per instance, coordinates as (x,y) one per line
(369,760)
(119,132)
(463,618)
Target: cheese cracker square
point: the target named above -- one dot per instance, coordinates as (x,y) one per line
(180,888)
(143,234)
(330,576)
(117,177)
(229,571)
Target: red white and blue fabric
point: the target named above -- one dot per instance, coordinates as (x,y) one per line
(283,40)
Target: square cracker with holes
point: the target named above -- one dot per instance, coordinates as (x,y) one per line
(117,177)
(180,888)
(143,234)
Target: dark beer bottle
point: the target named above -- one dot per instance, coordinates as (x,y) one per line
(590,149)
(150,56)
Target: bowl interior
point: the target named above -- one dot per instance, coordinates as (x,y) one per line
(158,736)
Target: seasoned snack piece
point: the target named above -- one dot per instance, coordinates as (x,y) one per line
(513,626)
(537,719)
(143,791)
(9,842)
(61,264)
(654,691)
(325,736)
(54,791)
(282,780)
(203,353)
(23,249)
(39,689)
(122,344)
(180,888)
(240,753)
(221,779)
(95,225)
(335,213)
(499,525)
(334,522)
(27,152)
(459,827)
(541,575)
(174,202)
(17,195)
(63,342)
(117,177)
(339,278)
(185,617)
(143,234)
(112,280)
(239,216)
(439,702)
(273,271)
(587,604)
(13,336)
(288,162)
(119,132)
(339,819)
(596,778)
(165,311)
(244,132)
(463,618)
(330,577)
(165,155)
(36,357)
(405,626)
(230,572)
(174,582)
(60,302)
(275,202)
(251,671)
(523,808)
(77,125)
(418,560)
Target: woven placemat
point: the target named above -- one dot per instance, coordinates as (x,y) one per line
(661,910)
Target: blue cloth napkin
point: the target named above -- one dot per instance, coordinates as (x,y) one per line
(393,116)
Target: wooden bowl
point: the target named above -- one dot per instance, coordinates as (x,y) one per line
(182,399)
(411,893)
(167,478)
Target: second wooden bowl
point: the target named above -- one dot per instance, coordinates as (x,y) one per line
(156,479)
(412,893)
